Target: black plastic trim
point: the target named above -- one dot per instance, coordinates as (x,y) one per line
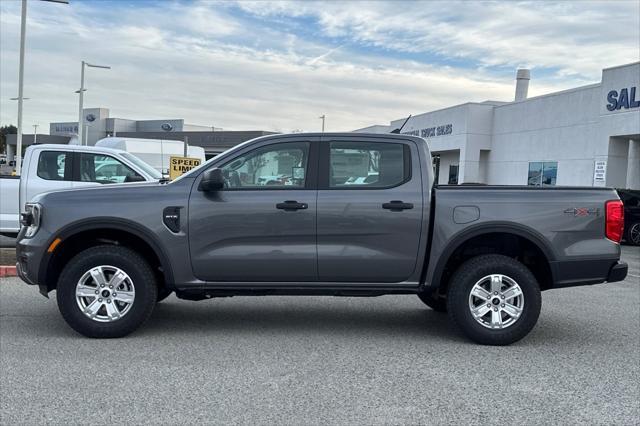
(488,228)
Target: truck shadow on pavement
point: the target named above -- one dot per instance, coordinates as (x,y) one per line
(309,319)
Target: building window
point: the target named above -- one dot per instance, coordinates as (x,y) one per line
(542,173)
(453,174)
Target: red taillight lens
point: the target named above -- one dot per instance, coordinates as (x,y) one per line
(614,216)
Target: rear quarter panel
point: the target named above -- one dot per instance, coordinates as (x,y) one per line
(554,218)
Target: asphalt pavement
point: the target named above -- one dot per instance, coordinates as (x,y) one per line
(319,360)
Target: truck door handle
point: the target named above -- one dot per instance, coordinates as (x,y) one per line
(291,205)
(396,206)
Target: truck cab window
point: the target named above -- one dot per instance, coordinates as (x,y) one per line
(53,165)
(104,169)
(280,165)
(371,165)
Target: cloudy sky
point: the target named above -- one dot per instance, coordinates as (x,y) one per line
(278,66)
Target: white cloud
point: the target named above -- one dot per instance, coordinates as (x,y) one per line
(211,65)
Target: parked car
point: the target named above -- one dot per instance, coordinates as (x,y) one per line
(482,253)
(50,167)
(631,200)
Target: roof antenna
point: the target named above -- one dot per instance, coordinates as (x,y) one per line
(401,127)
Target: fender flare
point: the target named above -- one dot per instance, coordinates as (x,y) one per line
(462,237)
(124,225)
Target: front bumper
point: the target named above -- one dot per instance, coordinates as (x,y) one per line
(30,254)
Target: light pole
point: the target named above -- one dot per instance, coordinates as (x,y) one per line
(81,92)
(35,134)
(322,117)
(23,34)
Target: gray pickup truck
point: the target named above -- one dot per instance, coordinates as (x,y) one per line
(337,214)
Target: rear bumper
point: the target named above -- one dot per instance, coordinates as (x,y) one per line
(587,272)
(618,272)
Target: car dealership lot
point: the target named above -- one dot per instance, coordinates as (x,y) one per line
(324,360)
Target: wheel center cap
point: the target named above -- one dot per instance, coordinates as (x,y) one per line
(105,293)
(496,301)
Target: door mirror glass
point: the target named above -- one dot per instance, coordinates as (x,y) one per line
(212,180)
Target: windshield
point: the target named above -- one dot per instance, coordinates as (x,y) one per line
(144,166)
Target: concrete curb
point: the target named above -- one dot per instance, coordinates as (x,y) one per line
(7,271)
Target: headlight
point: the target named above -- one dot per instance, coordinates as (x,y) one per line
(31,219)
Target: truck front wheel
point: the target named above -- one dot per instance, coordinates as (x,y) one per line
(106,291)
(494,299)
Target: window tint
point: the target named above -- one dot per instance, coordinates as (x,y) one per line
(542,173)
(104,169)
(371,165)
(53,165)
(280,165)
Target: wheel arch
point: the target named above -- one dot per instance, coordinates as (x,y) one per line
(80,235)
(498,238)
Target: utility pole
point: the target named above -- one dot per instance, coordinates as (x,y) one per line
(23,37)
(35,134)
(23,34)
(186,144)
(322,117)
(80,103)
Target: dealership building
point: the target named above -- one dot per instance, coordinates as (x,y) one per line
(98,125)
(587,136)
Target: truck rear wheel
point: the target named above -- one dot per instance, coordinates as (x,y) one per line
(106,291)
(494,300)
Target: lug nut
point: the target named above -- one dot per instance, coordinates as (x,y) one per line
(102,285)
(495,309)
(502,305)
(502,296)
(108,300)
(114,294)
(99,300)
(110,286)
(488,305)
(97,292)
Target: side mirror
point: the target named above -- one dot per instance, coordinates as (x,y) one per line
(134,178)
(212,180)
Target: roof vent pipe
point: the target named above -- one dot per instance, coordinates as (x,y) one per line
(522,84)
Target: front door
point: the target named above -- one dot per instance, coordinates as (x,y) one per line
(262,226)
(370,211)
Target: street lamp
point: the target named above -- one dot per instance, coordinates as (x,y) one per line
(20,98)
(81,92)
(322,117)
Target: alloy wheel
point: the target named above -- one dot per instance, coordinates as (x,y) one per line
(105,293)
(496,301)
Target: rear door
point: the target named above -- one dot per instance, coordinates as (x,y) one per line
(370,210)
(262,226)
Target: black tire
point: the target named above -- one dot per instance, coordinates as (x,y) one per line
(132,264)
(632,234)
(463,282)
(438,304)
(163,293)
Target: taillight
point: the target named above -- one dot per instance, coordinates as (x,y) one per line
(614,217)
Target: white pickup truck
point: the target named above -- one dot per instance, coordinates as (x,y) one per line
(51,167)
